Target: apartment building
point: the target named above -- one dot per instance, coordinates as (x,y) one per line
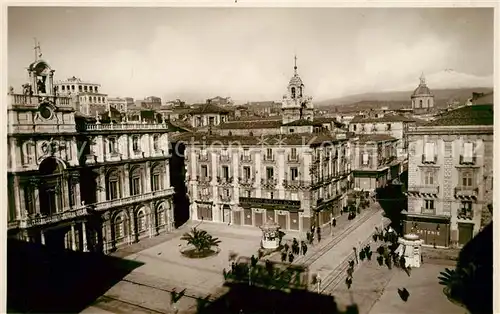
(450,188)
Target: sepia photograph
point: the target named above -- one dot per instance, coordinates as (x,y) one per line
(240,159)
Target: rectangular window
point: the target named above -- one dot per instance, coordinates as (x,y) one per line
(271,195)
(467,179)
(466,206)
(156,142)
(224,152)
(294,152)
(211,121)
(225,172)
(135,144)
(136,186)
(294,173)
(294,196)
(468,152)
(269,154)
(156,182)
(112,145)
(429,152)
(429,178)
(388,126)
(354,127)
(249,193)
(365,159)
(203,152)
(246,173)
(429,204)
(269,173)
(246,152)
(204,171)
(113,190)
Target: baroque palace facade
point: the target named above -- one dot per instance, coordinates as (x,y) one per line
(295,172)
(76,183)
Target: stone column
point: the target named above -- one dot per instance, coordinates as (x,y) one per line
(84,237)
(17,199)
(151,220)
(50,83)
(102,186)
(73,237)
(132,236)
(167,174)
(42,237)
(99,148)
(65,192)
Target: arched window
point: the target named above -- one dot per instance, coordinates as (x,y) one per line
(300,91)
(160,215)
(421,103)
(85,89)
(72,87)
(50,190)
(141,221)
(293,92)
(80,88)
(157,178)
(119,227)
(135,182)
(113,185)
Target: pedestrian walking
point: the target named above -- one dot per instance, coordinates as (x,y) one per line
(319,237)
(308,236)
(290,257)
(334,222)
(286,247)
(283,257)
(304,248)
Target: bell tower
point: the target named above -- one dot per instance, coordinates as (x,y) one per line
(295,105)
(41,75)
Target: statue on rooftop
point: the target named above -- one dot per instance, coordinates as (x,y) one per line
(41,86)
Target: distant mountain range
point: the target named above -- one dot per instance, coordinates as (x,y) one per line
(397,100)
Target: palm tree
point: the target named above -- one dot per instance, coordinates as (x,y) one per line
(201,240)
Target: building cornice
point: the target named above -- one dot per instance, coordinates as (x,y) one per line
(455,129)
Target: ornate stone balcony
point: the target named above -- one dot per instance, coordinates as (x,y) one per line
(225,181)
(295,184)
(268,183)
(293,158)
(424,190)
(246,182)
(124,126)
(431,160)
(269,159)
(133,199)
(35,101)
(205,197)
(203,157)
(56,217)
(225,198)
(202,180)
(466,192)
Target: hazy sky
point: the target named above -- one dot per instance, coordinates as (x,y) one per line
(196,53)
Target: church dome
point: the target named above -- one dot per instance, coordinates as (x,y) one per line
(422,90)
(40,67)
(296,80)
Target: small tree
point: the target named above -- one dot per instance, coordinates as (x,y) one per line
(201,240)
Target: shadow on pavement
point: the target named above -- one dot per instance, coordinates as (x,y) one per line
(246,299)
(44,280)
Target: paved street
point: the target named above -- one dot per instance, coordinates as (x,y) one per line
(147,288)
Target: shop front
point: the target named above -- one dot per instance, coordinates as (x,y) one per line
(270,210)
(433,231)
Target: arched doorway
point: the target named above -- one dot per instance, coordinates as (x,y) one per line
(52,186)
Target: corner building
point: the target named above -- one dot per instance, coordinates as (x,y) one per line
(296,173)
(79,184)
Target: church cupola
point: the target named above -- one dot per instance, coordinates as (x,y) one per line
(422,100)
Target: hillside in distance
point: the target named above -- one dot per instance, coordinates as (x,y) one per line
(397,99)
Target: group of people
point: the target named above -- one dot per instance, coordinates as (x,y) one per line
(295,249)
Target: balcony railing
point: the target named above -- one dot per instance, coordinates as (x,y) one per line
(465,214)
(204,179)
(428,211)
(124,126)
(268,182)
(466,191)
(133,199)
(225,158)
(19,99)
(425,189)
(246,180)
(467,160)
(430,160)
(246,158)
(53,218)
(295,184)
(225,180)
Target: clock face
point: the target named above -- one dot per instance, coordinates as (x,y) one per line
(45,112)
